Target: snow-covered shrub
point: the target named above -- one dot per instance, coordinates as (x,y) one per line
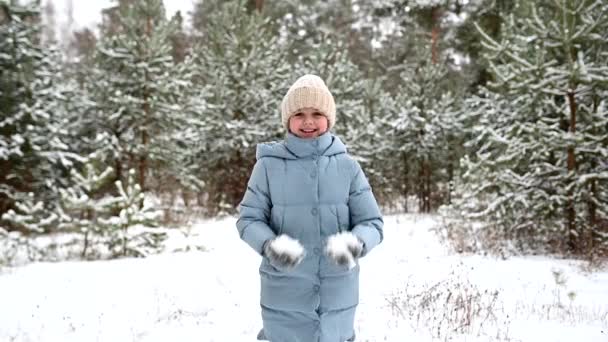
(464,235)
(83,203)
(133,210)
(16,249)
(30,215)
(7,248)
(450,307)
(454,307)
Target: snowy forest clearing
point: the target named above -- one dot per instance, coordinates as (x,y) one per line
(412,289)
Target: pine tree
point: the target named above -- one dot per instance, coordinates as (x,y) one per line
(374,147)
(539,173)
(138,89)
(242,71)
(427,132)
(34,154)
(490,16)
(361,104)
(330,60)
(425,69)
(306,23)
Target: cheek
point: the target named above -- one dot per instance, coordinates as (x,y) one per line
(323,123)
(293,123)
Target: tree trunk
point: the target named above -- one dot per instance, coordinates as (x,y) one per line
(118,167)
(124,239)
(89,215)
(593,221)
(4,13)
(424,192)
(573,233)
(86,245)
(420,187)
(435,33)
(405,188)
(143,161)
(255,5)
(427,187)
(450,176)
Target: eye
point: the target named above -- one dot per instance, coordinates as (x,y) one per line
(298,114)
(317,114)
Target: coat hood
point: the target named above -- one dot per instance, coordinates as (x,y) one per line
(294,147)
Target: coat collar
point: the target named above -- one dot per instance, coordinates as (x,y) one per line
(293,147)
(308,147)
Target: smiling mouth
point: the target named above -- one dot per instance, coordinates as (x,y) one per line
(308,130)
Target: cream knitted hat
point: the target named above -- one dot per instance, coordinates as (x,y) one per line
(309,91)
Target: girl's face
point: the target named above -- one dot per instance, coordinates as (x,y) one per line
(308,123)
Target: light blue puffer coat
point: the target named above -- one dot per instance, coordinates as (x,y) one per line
(308,189)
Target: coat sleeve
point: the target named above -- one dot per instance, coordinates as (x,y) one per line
(254,210)
(365,217)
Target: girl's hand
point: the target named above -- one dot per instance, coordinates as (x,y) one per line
(344,249)
(284,252)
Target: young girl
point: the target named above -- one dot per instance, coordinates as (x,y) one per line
(310,212)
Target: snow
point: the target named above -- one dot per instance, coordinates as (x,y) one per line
(409,287)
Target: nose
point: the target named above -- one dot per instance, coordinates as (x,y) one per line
(308,121)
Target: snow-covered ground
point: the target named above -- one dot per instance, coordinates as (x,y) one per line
(412,289)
